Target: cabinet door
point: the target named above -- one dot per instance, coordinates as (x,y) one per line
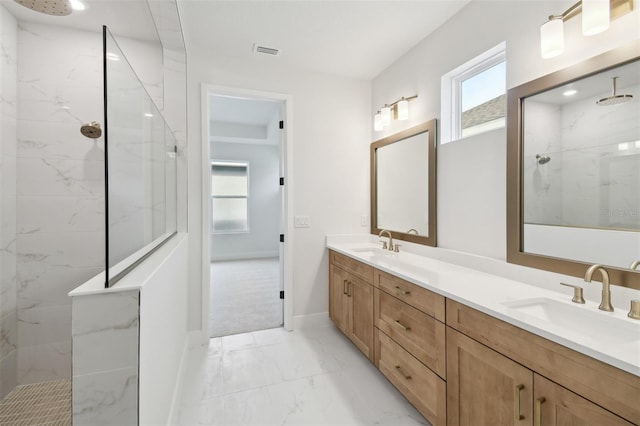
(338,280)
(484,387)
(360,300)
(555,405)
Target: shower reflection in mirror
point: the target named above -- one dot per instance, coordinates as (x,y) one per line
(581,169)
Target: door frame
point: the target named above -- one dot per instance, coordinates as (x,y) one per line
(287,214)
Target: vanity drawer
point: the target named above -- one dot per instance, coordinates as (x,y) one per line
(573,370)
(416,296)
(424,389)
(417,332)
(360,269)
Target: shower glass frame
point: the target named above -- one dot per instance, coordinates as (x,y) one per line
(140,168)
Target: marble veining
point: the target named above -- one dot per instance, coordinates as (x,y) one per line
(273,377)
(105,330)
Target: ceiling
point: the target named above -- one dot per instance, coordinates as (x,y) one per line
(237,110)
(129,18)
(355,38)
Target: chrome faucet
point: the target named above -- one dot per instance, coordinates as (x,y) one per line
(386,246)
(605,303)
(635,265)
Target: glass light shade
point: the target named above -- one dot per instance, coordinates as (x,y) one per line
(377,122)
(595,16)
(386,115)
(552,38)
(403,109)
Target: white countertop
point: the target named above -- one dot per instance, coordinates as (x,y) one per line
(610,337)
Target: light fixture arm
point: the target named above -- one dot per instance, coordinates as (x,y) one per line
(569,13)
(410,98)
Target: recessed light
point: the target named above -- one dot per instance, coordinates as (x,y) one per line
(112,56)
(570,92)
(148,114)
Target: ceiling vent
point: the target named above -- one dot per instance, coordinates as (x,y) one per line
(258,48)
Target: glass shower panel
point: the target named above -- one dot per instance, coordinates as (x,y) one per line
(140,167)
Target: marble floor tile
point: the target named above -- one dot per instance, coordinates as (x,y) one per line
(273,377)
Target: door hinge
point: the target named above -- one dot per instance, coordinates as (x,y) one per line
(281,294)
(281,124)
(281,181)
(282,238)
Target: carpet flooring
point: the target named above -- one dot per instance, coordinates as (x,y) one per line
(245,296)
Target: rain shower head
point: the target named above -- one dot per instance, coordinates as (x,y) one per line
(543,159)
(49,7)
(614,99)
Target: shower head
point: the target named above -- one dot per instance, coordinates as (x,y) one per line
(91,130)
(543,159)
(48,7)
(614,99)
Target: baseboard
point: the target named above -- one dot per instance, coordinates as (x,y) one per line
(244,256)
(189,342)
(311,321)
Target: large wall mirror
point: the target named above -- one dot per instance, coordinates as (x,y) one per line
(573,187)
(403,184)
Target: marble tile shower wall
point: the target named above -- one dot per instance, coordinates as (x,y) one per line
(60,185)
(8,138)
(583,157)
(60,190)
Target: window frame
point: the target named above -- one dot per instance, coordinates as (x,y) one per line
(451,90)
(236,163)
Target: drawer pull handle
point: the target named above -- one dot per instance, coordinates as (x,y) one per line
(344,287)
(516,396)
(402,292)
(349,289)
(399,370)
(402,326)
(538,414)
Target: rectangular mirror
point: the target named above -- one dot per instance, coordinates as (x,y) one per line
(403,190)
(574,168)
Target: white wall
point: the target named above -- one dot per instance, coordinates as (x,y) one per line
(331,136)
(264,203)
(471,172)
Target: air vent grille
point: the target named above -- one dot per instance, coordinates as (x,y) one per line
(258,48)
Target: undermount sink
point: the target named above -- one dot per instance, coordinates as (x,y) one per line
(602,326)
(370,251)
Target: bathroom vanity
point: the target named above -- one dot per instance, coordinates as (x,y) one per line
(467,347)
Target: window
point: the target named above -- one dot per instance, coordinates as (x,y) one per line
(229,196)
(474,96)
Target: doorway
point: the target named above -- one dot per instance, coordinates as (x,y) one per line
(246,206)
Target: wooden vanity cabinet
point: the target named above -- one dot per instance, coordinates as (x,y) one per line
(351,300)
(410,343)
(497,369)
(475,369)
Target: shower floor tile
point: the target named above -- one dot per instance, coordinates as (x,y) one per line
(47,403)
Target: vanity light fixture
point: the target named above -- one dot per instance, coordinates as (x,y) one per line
(398,109)
(596,15)
(377,122)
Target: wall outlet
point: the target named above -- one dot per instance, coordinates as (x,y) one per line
(364,220)
(302,221)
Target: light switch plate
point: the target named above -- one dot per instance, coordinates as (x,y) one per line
(302,221)
(364,220)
